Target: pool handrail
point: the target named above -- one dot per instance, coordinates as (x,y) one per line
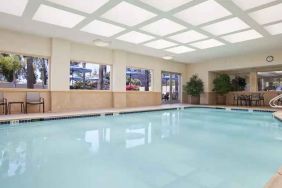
(273,101)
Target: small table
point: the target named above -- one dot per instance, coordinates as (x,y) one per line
(15,102)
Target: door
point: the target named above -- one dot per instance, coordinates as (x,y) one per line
(171,87)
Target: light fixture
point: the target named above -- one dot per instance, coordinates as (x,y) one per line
(135,37)
(13,7)
(180,50)
(249,4)
(87,6)
(242,36)
(226,26)
(101,43)
(268,15)
(167,57)
(102,28)
(188,36)
(210,43)
(160,44)
(165,5)
(202,13)
(163,27)
(128,14)
(274,29)
(57,17)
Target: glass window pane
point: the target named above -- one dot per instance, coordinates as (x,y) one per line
(270,81)
(138,79)
(19,71)
(89,76)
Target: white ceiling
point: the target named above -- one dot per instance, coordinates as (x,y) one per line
(189,30)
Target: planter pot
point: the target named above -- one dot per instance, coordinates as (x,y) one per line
(221,100)
(194,99)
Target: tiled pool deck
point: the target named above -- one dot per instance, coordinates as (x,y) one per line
(275,181)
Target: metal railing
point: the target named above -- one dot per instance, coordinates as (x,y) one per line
(274,102)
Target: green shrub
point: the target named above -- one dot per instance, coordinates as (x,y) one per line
(222,84)
(195,86)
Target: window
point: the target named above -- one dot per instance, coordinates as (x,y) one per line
(89,76)
(138,79)
(19,71)
(270,81)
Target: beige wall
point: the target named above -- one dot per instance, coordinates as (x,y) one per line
(60,52)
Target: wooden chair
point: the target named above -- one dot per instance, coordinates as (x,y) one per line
(33,98)
(3,102)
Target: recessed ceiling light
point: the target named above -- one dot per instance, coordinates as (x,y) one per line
(202,13)
(87,6)
(242,36)
(268,15)
(135,37)
(101,43)
(128,14)
(165,5)
(180,49)
(160,44)
(163,27)
(188,36)
(14,7)
(274,29)
(207,44)
(167,57)
(249,4)
(226,26)
(102,28)
(56,16)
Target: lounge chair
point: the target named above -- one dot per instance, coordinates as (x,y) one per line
(3,102)
(33,98)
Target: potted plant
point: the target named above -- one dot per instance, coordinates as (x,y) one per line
(194,88)
(222,86)
(238,84)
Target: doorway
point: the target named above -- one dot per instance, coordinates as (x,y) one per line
(171,87)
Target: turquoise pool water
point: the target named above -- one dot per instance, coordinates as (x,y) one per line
(192,148)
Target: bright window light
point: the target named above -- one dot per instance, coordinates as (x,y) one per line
(163,27)
(102,28)
(226,26)
(188,36)
(87,6)
(14,7)
(202,13)
(274,29)
(180,50)
(135,37)
(128,14)
(207,44)
(249,4)
(166,5)
(268,15)
(56,16)
(160,44)
(242,36)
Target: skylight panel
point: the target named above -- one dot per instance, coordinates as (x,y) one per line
(135,37)
(180,50)
(202,13)
(102,28)
(268,15)
(128,14)
(226,26)
(249,4)
(160,44)
(166,5)
(163,27)
(242,36)
(13,7)
(274,29)
(87,6)
(210,43)
(188,36)
(57,17)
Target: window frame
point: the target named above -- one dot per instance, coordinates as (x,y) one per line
(136,67)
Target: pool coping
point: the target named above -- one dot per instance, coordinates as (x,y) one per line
(25,118)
